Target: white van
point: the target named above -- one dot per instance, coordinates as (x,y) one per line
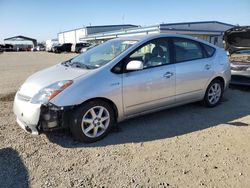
(49,43)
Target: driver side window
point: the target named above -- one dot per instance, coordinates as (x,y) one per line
(155,53)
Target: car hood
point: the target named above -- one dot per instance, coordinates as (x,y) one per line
(48,76)
(237,38)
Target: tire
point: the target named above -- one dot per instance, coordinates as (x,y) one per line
(213,94)
(86,124)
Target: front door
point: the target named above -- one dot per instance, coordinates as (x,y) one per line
(154,85)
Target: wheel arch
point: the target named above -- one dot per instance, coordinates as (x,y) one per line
(220,78)
(110,102)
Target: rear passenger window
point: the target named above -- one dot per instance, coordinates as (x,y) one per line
(186,50)
(210,50)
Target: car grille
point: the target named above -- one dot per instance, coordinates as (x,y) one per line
(23,97)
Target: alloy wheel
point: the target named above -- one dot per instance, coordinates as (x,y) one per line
(95,121)
(214,93)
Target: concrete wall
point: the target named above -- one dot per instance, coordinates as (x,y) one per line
(60,37)
(67,37)
(71,36)
(79,33)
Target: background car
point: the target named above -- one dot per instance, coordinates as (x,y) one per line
(39,47)
(66,47)
(53,47)
(8,48)
(88,48)
(120,79)
(237,43)
(1,48)
(80,46)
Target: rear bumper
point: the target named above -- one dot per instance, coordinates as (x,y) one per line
(245,73)
(240,80)
(240,73)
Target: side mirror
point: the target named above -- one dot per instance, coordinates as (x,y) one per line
(134,65)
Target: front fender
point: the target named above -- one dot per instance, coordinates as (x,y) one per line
(98,85)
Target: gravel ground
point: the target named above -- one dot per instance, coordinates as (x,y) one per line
(188,146)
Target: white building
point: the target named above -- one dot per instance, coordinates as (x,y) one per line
(73,36)
(212,31)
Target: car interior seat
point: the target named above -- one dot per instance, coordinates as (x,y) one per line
(158,57)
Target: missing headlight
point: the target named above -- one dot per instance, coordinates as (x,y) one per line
(53,117)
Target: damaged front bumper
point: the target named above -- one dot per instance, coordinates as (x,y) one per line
(35,118)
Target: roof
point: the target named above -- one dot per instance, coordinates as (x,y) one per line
(130,25)
(159,35)
(20,38)
(201,22)
(193,30)
(99,26)
(147,30)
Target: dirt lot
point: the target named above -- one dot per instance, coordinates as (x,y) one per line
(188,146)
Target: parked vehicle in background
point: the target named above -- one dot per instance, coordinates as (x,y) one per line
(42,47)
(23,47)
(88,48)
(81,45)
(50,43)
(8,48)
(39,47)
(53,47)
(1,48)
(237,43)
(120,79)
(66,47)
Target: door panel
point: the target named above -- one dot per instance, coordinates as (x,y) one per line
(191,78)
(193,69)
(148,89)
(154,85)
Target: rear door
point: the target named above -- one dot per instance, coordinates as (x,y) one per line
(193,69)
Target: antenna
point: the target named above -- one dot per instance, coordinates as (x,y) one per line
(123,18)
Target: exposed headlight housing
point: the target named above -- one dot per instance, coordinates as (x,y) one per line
(49,92)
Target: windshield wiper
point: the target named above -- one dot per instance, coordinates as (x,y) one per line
(66,63)
(80,65)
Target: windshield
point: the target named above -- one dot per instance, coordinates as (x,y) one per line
(101,54)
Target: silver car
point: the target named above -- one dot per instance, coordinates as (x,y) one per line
(237,43)
(120,79)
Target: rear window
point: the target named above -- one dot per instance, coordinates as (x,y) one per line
(210,50)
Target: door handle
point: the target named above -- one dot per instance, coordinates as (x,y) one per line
(168,74)
(207,66)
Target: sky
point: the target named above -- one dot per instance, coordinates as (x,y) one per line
(43,19)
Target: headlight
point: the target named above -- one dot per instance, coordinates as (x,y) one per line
(49,92)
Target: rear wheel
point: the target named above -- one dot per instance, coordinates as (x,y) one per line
(214,93)
(92,121)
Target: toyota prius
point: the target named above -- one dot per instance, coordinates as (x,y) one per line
(120,79)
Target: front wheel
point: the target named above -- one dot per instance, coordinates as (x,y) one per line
(214,93)
(92,121)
